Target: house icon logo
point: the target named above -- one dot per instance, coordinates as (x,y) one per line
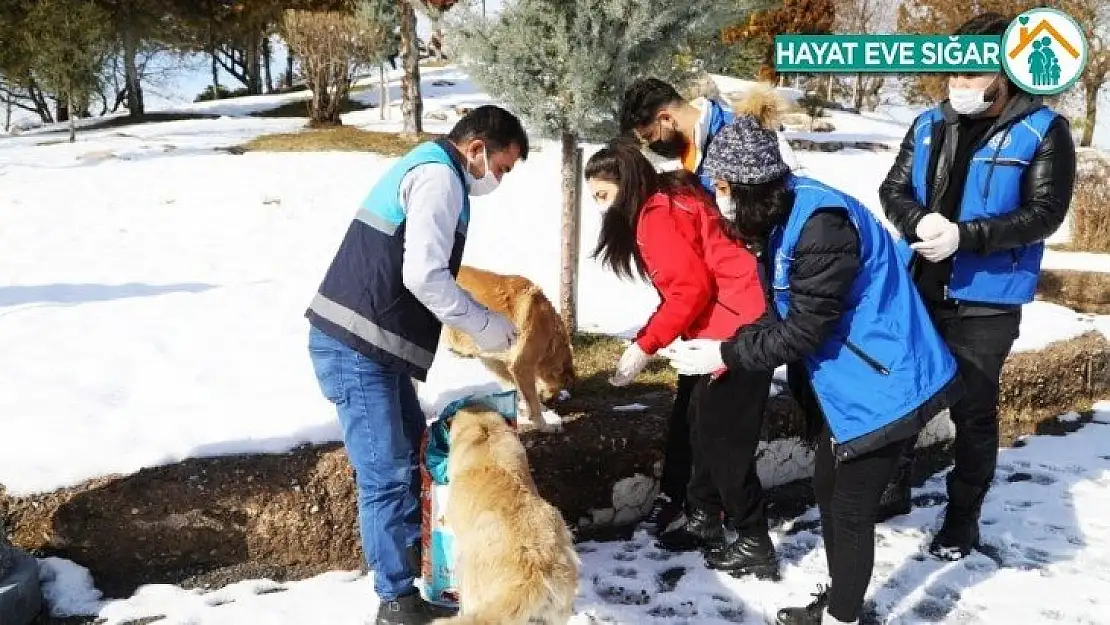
(1044,51)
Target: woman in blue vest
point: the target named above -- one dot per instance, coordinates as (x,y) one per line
(979,183)
(865,360)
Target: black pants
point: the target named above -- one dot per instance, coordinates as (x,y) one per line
(848,494)
(726,418)
(682,473)
(980,343)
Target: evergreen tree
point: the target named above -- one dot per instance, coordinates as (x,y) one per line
(563,65)
(68,40)
(1094,17)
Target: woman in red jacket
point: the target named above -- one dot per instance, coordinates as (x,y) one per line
(664,227)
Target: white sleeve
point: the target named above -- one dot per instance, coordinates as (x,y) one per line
(432,198)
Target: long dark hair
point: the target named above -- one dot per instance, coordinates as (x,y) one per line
(759,208)
(621,163)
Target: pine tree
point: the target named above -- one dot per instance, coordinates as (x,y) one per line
(563,66)
(68,40)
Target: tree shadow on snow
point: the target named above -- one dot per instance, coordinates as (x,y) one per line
(72,294)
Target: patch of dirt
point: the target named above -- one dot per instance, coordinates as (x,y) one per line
(338,138)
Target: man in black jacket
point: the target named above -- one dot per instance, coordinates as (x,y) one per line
(980,182)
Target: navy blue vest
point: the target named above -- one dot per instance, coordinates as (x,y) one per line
(362,300)
(885,359)
(993,188)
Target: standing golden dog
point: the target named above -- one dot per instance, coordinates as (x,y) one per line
(540,363)
(515,558)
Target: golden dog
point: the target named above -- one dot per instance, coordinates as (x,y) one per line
(516,562)
(540,364)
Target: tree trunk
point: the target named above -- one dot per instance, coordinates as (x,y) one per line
(857,93)
(289,68)
(135,105)
(266,54)
(412,108)
(72,123)
(828,89)
(215,76)
(1092,88)
(63,112)
(8,112)
(252,67)
(383,92)
(568,282)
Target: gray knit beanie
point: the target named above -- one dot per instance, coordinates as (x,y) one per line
(744,152)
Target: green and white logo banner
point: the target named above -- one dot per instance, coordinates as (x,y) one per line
(887,54)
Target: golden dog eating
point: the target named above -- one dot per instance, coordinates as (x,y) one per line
(540,364)
(515,558)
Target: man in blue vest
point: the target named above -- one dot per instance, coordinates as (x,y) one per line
(980,182)
(376,322)
(678,130)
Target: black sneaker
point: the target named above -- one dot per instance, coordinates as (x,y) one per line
(750,554)
(665,516)
(809,615)
(410,609)
(958,536)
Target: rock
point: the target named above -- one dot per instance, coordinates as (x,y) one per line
(796,121)
(602,517)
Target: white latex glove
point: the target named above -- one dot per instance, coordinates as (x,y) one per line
(632,362)
(498,335)
(931,226)
(696,357)
(939,238)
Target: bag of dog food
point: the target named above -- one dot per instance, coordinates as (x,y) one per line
(438,566)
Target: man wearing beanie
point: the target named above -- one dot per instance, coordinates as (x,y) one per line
(866,385)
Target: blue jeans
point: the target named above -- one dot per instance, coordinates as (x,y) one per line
(382,426)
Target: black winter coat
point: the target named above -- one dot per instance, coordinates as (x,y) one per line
(1046,185)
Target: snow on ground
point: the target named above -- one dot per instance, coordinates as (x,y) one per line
(1046,560)
(152,300)
(151,310)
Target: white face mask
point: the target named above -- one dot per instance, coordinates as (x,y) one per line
(969,101)
(724,204)
(603,207)
(486,184)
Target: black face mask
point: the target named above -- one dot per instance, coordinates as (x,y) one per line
(673,147)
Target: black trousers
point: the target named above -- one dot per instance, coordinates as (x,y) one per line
(848,494)
(682,473)
(726,418)
(980,342)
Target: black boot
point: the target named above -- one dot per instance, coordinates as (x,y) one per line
(809,615)
(703,530)
(410,609)
(666,516)
(959,534)
(752,553)
(896,497)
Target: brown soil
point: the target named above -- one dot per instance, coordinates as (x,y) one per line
(207,522)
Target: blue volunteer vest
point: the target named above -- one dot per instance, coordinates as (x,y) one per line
(362,300)
(719,117)
(993,188)
(884,359)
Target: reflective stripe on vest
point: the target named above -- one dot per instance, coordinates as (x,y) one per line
(370,332)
